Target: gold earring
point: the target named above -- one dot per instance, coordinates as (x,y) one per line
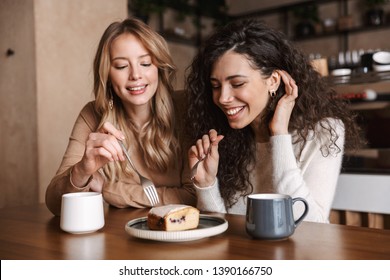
(110,98)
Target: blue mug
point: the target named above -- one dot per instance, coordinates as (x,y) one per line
(270,216)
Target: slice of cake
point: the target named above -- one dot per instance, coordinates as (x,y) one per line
(173,217)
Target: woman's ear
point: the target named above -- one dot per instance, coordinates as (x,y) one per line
(274,81)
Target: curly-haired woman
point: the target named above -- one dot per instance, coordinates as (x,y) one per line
(133,74)
(283,130)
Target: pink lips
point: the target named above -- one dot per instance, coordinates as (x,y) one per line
(137,89)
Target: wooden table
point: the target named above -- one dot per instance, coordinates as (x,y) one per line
(33,233)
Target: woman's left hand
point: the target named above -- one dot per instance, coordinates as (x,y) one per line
(281,118)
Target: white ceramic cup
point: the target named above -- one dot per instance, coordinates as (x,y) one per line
(82,212)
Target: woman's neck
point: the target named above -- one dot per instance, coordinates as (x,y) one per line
(261,131)
(139,116)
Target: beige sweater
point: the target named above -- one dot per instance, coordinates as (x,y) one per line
(125,193)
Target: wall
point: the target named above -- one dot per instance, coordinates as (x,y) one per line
(18,119)
(67,34)
(44,85)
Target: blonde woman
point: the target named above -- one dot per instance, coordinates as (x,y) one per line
(133,73)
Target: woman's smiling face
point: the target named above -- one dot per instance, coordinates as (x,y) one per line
(239,90)
(133,75)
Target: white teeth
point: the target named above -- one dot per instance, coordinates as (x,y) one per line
(233,111)
(136,88)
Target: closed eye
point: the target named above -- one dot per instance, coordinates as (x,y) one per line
(215,86)
(120,67)
(237,85)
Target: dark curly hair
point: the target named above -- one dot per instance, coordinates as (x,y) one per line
(267,50)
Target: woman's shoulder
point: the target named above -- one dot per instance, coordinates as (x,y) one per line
(330,124)
(330,131)
(89,114)
(324,131)
(325,125)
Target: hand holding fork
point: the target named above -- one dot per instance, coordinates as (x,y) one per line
(209,167)
(102,147)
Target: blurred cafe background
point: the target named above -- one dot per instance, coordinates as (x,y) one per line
(47,48)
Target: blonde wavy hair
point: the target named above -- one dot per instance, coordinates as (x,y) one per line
(156,140)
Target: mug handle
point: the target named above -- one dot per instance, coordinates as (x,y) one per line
(299,220)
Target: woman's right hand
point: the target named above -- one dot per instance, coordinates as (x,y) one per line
(207,148)
(101,147)
(280,120)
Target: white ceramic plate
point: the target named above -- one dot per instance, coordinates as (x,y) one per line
(208,226)
(381,68)
(341,72)
(381,57)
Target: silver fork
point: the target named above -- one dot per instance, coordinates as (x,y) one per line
(194,169)
(148,186)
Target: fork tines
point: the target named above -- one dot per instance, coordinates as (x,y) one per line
(152,195)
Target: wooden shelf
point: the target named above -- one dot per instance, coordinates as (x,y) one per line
(281,8)
(286,9)
(345,32)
